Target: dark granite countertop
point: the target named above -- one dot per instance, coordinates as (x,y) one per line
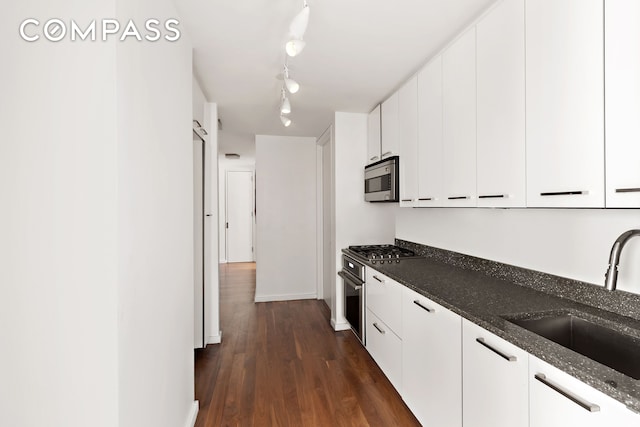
(483,295)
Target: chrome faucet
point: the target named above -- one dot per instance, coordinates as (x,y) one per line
(611,277)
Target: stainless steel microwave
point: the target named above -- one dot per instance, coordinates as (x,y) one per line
(381,181)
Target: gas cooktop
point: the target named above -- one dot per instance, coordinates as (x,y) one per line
(383,254)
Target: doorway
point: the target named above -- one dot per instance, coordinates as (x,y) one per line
(240,215)
(199,189)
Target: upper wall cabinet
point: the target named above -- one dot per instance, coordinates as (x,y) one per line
(564,103)
(501,103)
(408,142)
(622,108)
(373,136)
(389,141)
(430,134)
(459,121)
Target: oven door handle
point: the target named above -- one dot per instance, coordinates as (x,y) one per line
(351,281)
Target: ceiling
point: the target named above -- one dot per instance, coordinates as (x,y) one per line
(358,52)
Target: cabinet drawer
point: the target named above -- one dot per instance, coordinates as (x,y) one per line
(386,348)
(384,298)
(495,384)
(431,361)
(558,399)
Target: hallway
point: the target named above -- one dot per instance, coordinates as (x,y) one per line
(281,364)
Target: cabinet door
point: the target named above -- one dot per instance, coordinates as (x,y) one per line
(622,71)
(383,296)
(560,400)
(373,136)
(565,103)
(431,361)
(430,134)
(459,111)
(408,142)
(495,387)
(386,349)
(501,116)
(389,140)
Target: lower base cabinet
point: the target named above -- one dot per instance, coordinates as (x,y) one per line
(557,399)
(495,385)
(453,373)
(386,349)
(431,360)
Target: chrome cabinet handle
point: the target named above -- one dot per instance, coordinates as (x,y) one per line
(565,193)
(627,190)
(419,304)
(374,158)
(426,199)
(482,342)
(458,197)
(591,407)
(382,331)
(378,279)
(387,153)
(406,200)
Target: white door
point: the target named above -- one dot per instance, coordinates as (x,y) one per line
(239,216)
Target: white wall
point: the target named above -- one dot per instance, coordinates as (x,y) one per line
(58,222)
(97,237)
(356,222)
(573,243)
(286,218)
(155,225)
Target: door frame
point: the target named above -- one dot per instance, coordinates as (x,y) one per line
(202,144)
(322,142)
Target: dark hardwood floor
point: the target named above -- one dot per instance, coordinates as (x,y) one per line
(281,364)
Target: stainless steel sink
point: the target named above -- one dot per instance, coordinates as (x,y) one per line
(612,348)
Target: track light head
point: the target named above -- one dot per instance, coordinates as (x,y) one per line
(285,108)
(299,23)
(294,47)
(286,121)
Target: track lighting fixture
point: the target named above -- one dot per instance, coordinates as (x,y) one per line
(297,28)
(292,85)
(286,121)
(293,47)
(285,107)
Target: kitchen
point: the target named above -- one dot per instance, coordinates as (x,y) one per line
(478,197)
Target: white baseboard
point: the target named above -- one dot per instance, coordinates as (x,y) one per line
(290,297)
(193,414)
(215,339)
(340,326)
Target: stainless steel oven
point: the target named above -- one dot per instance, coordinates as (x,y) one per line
(353,278)
(381,181)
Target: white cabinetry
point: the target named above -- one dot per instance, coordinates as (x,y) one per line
(384,323)
(431,361)
(389,131)
(622,108)
(430,134)
(373,135)
(408,142)
(384,298)
(501,103)
(495,380)
(559,400)
(385,347)
(565,103)
(459,117)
